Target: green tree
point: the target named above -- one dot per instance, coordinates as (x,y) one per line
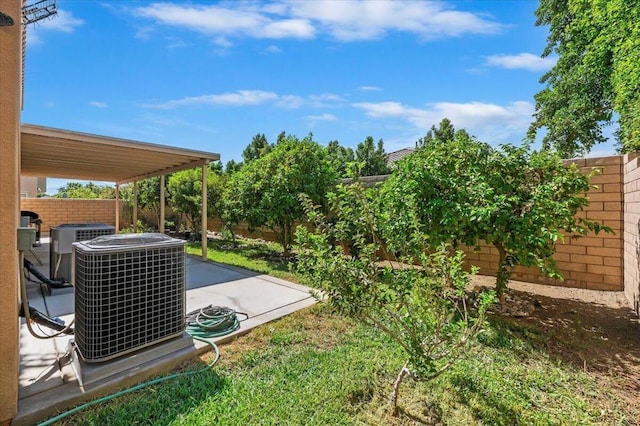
(216,167)
(89,190)
(258,147)
(340,156)
(265,192)
(464,191)
(596,75)
(445,132)
(374,158)
(149,195)
(232,167)
(216,202)
(423,309)
(185,189)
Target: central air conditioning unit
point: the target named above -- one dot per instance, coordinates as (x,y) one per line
(62,238)
(129,293)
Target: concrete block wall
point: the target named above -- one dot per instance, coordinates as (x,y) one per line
(592,262)
(631,214)
(597,262)
(56,211)
(242,229)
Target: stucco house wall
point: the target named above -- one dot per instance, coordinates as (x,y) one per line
(10,103)
(31,186)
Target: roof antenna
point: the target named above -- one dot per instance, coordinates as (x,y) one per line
(38,11)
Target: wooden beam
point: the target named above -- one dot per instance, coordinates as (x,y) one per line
(73,155)
(117,208)
(30,131)
(135,206)
(190,165)
(204,212)
(162,202)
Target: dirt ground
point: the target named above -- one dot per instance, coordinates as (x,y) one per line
(594,330)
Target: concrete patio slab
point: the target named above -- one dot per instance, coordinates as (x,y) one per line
(48,382)
(39,369)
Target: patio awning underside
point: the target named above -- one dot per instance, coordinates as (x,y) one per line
(49,152)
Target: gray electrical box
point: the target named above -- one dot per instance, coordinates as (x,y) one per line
(26,238)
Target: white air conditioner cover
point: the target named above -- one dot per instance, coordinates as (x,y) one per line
(129,293)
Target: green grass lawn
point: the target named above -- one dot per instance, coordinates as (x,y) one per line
(255,256)
(319,368)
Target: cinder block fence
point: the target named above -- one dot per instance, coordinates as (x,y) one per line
(592,262)
(596,262)
(56,211)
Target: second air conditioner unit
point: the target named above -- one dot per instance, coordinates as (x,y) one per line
(62,238)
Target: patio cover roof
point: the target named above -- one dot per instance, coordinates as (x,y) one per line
(56,153)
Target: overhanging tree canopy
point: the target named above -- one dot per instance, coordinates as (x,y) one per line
(596,77)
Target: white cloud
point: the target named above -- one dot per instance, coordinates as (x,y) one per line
(235,99)
(252,98)
(176,43)
(344,21)
(369,89)
(383,109)
(326,100)
(290,101)
(272,50)
(527,61)
(367,20)
(322,117)
(239,98)
(238,19)
(296,28)
(63,22)
(144,33)
(98,104)
(489,122)
(223,42)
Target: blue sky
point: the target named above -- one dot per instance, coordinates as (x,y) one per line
(211,75)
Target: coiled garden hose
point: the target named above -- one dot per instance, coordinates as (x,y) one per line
(213,321)
(202,324)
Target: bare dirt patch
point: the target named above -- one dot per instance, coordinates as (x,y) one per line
(595,331)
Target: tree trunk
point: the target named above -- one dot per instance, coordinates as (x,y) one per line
(281,234)
(286,239)
(396,389)
(233,235)
(504,272)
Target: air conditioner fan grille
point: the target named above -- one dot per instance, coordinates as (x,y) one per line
(128,299)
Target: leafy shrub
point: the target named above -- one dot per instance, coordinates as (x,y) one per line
(420,303)
(464,191)
(265,191)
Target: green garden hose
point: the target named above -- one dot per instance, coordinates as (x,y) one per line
(202,324)
(213,321)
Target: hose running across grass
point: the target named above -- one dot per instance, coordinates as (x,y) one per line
(202,324)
